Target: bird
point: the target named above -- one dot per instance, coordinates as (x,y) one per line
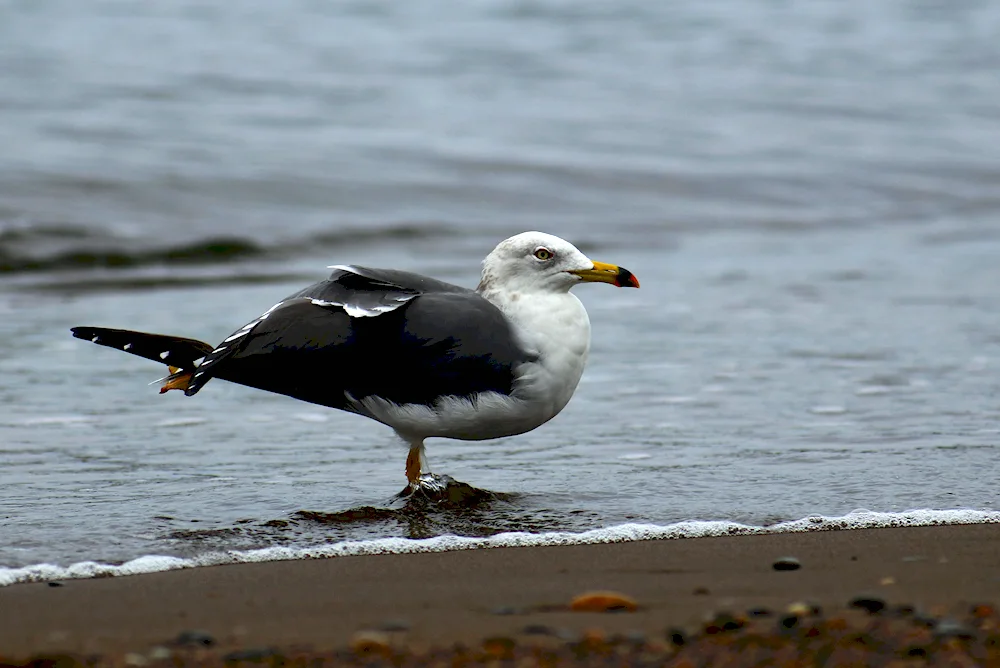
(422,356)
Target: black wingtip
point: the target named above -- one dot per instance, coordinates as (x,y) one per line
(170,350)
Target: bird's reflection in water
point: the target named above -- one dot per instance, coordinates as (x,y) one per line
(442,507)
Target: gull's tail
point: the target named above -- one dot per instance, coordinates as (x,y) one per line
(180,354)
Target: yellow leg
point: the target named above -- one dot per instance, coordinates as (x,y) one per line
(413,465)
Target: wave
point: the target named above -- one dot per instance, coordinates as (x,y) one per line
(222,249)
(25,249)
(859,519)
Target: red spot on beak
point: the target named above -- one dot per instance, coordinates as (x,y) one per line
(625,279)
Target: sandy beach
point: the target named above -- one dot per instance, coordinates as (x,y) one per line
(514,595)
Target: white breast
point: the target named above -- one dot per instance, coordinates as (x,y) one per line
(554,327)
(556,330)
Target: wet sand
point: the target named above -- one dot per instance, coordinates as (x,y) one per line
(520,595)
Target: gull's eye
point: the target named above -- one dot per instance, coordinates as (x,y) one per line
(544,254)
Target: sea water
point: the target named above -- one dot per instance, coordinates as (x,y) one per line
(806,193)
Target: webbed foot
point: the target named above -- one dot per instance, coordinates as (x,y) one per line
(428,485)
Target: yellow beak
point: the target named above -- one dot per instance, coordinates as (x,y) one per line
(607,273)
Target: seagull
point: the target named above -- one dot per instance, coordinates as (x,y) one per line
(424,357)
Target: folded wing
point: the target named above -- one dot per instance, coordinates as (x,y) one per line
(365,332)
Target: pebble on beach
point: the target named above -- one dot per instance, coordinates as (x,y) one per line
(394,625)
(370,643)
(870,604)
(786,564)
(194,639)
(603,601)
(538,630)
(499,647)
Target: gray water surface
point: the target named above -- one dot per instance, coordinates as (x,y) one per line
(808,194)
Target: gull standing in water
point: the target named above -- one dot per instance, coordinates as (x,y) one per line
(425,357)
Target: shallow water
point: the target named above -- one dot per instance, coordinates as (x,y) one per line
(812,213)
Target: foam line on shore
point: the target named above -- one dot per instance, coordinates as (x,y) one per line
(859,519)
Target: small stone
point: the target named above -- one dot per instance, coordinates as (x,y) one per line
(538,630)
(804,609)
(394,625)
(886,581)
(759,612)
(799,609)
(677,637)
(159,653)
(870,604)
(603,601)
(499,647)
(701,591)
(370,643)
(504,611)
(194,638)
(788,622)
(786,564)
(982,610)
(952,628)
(54,583)
(722,622)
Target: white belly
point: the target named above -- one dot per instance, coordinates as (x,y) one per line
(555,328)
(486,415)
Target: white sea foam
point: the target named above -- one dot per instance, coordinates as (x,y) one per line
(859,519)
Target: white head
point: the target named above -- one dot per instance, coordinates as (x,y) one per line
(539,262)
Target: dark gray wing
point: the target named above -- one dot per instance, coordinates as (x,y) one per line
(399,336)
(363,291)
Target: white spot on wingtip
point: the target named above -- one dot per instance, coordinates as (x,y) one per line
(165,354)
(95,339)
(198,361)
(127,346)
(267,313)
